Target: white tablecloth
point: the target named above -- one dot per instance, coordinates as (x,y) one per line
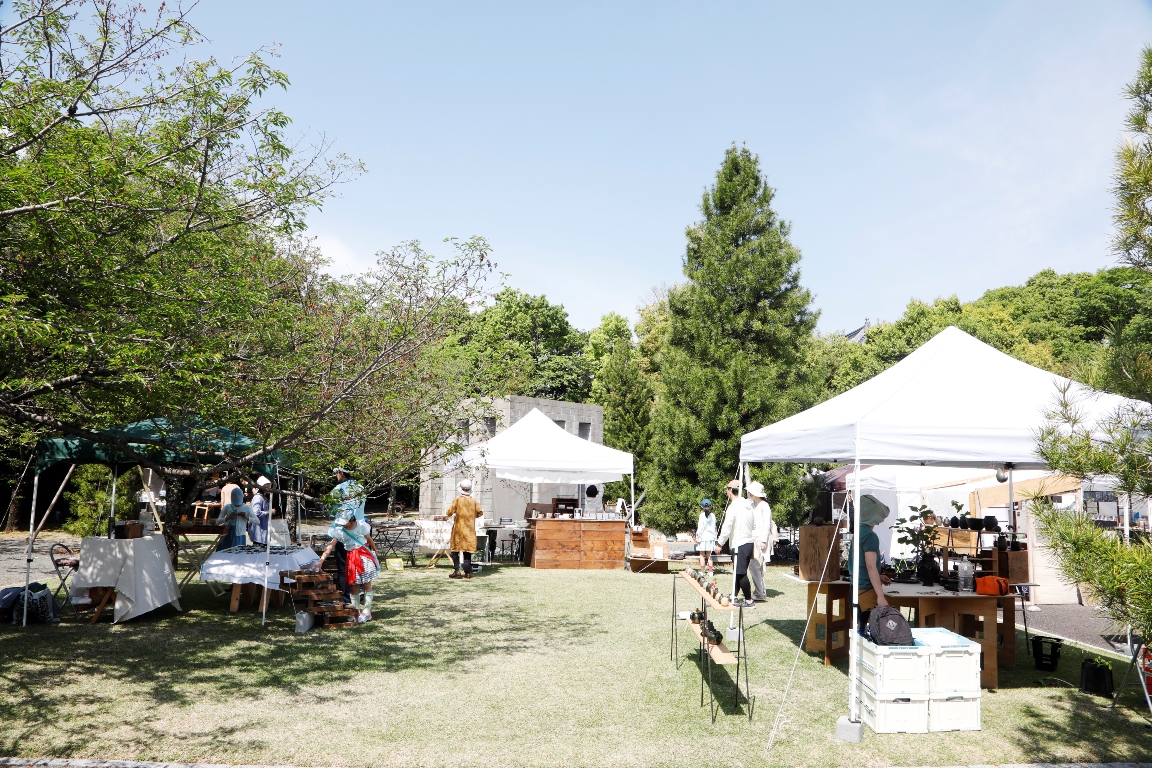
(138,569)
(245,565)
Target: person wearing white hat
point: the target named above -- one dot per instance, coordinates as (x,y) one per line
(765,535)
(258,528)
(465,511)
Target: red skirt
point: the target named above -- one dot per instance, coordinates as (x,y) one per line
(361,566)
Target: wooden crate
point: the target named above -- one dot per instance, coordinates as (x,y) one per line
(1014,566)
(815,543)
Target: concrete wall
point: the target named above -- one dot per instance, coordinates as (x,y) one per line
(503,498)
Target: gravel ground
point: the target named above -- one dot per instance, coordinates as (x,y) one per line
(12,556)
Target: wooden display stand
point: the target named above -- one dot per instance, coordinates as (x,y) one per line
(578,544)
(835,618)
(713,653)
(317,593)
(815,543)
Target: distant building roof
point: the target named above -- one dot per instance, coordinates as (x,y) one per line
(860,335)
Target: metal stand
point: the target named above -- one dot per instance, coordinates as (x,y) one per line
(704,653)
(1142,681)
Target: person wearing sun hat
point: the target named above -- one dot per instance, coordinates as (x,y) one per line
(465,511)
(348,497)
(872,513)
(706,534)
(765,535)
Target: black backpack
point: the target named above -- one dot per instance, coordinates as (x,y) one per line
(887,626)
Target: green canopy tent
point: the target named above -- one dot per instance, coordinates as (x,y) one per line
(159,439)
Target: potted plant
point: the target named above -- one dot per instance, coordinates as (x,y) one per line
(919,532)
(960,518)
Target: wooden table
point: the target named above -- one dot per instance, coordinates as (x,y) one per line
(968,614)
(965,613)
(579,543)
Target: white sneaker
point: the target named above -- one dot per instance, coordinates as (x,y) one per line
(363,617)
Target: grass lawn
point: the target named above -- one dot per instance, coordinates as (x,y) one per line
(515,667)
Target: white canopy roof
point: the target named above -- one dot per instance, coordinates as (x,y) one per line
(536,450)
(954,402)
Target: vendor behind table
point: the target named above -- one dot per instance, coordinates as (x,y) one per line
(238,515)
(872,513)
(258,531)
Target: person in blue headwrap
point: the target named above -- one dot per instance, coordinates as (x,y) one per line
(236,515)
(349,497)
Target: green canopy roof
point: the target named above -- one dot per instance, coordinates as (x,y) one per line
(159,439)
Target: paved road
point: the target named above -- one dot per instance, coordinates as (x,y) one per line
(1082,623)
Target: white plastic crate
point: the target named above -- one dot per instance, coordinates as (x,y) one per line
(893,668)
(954,663)
(893,712)
(954,711)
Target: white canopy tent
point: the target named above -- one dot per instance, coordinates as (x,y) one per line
(537,450)
(901,487)
(954,402)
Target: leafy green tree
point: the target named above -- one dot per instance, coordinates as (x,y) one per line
(603,339)
(736,345)
(1115,573)
(524,345)
(1062,323)
(89,498)
(626,395)
(152,262)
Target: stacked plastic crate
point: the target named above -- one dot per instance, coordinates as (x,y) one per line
(954,679)
(933,685)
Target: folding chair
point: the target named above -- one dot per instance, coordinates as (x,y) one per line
(66,562)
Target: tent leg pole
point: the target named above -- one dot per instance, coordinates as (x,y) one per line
(28,552)
(632,495)
(857,562)
(112,514)
(1011,503)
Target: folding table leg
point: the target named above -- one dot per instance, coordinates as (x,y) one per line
(100,608)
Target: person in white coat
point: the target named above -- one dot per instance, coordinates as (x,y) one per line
(739,531)
(766,533)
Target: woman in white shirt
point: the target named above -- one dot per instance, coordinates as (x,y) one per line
(706,535)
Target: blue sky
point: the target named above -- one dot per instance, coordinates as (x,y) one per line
(919,149)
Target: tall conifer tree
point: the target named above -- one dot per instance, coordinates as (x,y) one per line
(734,359)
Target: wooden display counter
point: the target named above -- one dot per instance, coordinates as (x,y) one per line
(577,544)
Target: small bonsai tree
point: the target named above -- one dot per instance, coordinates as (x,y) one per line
(919,532)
